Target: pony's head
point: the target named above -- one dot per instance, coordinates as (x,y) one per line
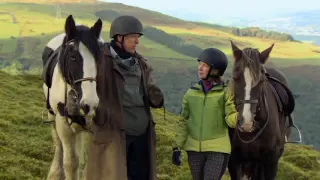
(247,82)
(79,55)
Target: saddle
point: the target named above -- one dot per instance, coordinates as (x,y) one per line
(283,94)
(50,60)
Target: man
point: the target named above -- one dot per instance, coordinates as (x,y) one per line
(123,141)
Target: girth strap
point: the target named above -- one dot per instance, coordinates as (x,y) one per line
(48,103)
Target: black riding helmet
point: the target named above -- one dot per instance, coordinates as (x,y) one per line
(216,59)
(124,25)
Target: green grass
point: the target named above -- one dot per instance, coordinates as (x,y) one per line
(8,47)
(26,146)
(8,30)
(24,143)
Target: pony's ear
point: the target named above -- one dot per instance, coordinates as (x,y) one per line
(264,55)
(237,53)
(96,28)
(70,27)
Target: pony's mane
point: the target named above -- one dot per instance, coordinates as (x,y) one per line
(250,59)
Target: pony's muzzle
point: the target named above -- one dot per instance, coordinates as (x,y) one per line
(247,127)
(84,109)
(87,108)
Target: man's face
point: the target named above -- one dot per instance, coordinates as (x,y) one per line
(130,42)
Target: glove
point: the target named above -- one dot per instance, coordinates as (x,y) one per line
(176,156)
(156,99)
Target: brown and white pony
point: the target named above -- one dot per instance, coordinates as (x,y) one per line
(70,69)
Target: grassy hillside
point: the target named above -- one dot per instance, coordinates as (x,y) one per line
(26,146)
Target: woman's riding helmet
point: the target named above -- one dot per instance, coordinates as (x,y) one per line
(216,59)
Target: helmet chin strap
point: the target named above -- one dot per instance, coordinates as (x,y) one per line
(123,47)
(209,75)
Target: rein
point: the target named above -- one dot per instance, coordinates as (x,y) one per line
(262,129)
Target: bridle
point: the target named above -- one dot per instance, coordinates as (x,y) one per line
(73,94)
(255,102)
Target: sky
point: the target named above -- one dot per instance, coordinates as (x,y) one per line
(207,10)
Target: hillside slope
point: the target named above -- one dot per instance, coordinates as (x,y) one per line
(26,146)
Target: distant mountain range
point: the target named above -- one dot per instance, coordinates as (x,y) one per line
(304,25)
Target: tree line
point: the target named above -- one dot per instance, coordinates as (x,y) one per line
(257,32)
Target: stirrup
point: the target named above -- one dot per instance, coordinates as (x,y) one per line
(295,142)
(42,118)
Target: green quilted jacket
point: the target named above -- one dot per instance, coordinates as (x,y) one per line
(205,118)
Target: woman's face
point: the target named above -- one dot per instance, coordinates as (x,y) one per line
(203,70)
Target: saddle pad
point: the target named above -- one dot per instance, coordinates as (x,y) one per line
(285,95)
(48,68)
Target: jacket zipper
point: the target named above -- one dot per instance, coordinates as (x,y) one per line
(201,127)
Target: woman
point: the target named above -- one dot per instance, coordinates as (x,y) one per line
(207,111)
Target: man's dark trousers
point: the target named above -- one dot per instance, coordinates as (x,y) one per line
(137,157)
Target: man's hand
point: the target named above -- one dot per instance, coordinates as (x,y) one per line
(156,99)
(176,156)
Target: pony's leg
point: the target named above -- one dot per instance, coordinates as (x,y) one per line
(88,141)
(56,171)
(234,169)
(257,172)
(81,144)
(70,157)
(270,167)
(270,172)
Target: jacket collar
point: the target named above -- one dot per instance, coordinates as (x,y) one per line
(199,87)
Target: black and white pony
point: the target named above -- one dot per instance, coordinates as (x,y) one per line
(69,73)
